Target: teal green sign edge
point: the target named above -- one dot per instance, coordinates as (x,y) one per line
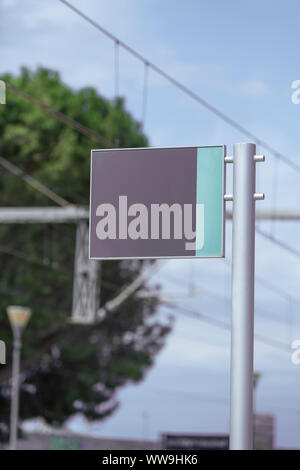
(210,240)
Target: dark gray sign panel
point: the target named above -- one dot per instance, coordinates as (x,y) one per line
(195,442)
(157,203)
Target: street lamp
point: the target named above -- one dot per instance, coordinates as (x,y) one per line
(18,318)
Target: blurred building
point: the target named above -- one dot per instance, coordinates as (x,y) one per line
(195,441)
(64,440)
(264,431)
(263,437)
(52,439)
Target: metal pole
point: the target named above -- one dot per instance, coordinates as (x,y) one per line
(14,410)
(242,326)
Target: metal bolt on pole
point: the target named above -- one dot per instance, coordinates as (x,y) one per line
(242,326)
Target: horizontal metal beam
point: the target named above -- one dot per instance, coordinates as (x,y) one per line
(268,214)
(72,214)
(45,215)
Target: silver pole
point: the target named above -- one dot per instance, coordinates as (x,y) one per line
(14,410)
(242,326)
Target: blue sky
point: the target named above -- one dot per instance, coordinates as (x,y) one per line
(242,57)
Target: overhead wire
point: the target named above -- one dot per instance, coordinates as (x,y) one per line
(279,243)
(213,109)
(84,130)
(117,70)
(223,298)
(145,95)
(225,325)
(33,182)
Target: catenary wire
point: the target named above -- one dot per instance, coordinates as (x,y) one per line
(217,112)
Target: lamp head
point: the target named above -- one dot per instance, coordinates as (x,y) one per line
(18,316)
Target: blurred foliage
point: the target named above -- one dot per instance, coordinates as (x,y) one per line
(66,368)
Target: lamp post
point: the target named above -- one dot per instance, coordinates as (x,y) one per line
(18,318)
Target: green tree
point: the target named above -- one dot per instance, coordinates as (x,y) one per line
(67,368)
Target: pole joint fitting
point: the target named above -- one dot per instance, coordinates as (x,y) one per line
(259,196)
(259,158)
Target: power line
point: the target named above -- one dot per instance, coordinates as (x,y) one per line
(86,131)
(273,288)
(210,398)
(145,95)
(117,71)
(231,122)
(33,259)
(225,325)
(275,215)
(223,298)
(275,193)
(261,313)
(277,242)
(91,134)
(277,290)
(33,182)
(47,264)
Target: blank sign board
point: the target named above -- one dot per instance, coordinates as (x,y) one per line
(157,203)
